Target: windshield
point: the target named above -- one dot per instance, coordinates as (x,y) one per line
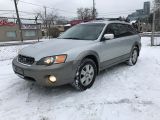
(83,32)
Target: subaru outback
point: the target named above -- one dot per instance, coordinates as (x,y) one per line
(79,54)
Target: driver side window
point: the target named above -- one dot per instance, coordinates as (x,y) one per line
(113,29)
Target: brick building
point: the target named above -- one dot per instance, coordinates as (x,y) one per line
(9,31)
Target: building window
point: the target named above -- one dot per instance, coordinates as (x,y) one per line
(11,34)
(30,33)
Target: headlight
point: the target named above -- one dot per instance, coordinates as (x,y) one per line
(52,60)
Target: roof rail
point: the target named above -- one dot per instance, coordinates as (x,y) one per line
(113,19)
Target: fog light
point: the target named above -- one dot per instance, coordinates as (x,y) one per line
(52,78)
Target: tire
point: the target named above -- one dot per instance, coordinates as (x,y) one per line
(85,75)
(134,57)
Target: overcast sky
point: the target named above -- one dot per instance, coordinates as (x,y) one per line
(106,8)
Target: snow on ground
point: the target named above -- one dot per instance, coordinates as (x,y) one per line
(9,52)
(119,93)
(24,41)
(156,41)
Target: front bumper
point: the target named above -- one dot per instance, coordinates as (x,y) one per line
(64,73)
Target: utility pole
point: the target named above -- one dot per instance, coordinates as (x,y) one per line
(37,27)
(19,21)
(93,14)
(156,7)
(153,26)
(46,22)
(45,12)
(49,28)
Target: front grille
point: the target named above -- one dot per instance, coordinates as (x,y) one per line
(25,60)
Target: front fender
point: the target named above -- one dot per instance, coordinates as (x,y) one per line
(84,54)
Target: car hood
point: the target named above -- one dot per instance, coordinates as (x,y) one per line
(52,47)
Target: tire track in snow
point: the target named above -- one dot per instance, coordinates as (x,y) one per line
(118,102)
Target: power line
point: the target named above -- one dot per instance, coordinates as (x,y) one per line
(111,13)
(7,10)
(66,10)
(27,12)
(23,17)
(20,18)
(19,11)
(46,7)
(102,14)
(6,13)
(36,13)
(30,3)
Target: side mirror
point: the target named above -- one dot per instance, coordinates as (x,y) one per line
(108,36)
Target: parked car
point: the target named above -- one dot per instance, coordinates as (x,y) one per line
(79,54)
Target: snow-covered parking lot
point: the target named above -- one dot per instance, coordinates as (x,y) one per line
(119,93)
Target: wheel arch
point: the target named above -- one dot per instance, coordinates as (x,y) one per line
(136,44)
(90,55)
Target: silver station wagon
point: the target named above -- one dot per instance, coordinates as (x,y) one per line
(79,54)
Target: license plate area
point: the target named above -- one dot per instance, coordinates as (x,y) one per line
(19,71)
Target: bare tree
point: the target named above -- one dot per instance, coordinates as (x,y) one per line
(86,13)
(48,20)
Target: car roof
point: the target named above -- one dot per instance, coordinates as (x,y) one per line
(106,22)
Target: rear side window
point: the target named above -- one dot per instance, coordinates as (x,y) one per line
(124,30)
(132,30)
(120,30)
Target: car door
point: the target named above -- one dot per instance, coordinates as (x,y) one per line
(114,50)
(133,37)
